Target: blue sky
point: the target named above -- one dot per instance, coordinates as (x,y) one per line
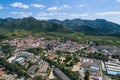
(61,9)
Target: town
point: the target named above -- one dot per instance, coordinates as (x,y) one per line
(33,58)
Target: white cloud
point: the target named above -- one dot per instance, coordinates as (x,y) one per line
(78,15)
(42,18)
(66,6)
(56,13)
(82,5)
(55,8)
(1,7)
(118,0)
(53,14)
(42,14)
(24,14)
(38,5)
(61,16)
(108,13)
(19,5)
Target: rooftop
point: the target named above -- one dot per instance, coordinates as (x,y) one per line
(60,74)
(75,68)
(19,59)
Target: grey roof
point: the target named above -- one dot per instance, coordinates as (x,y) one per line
(20,59)
(32,69)
(60,74)
(24,53)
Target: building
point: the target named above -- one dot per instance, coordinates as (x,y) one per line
(32,69)
(75,68)
(24,53)
(112,68)
(59,74)
(20,60)
(2,72)
(43,69)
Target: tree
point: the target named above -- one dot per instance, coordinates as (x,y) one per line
(49,47)
(87,75)
(76,59)
(7,48)
(35,51)
(39,78)
(68,58)
(76,75)
(13,68)
(2,36)
(58,52)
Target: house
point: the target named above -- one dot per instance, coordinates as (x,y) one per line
(2,72)
(24,54)
(112,68)
(43,69)
(75,68)
(20,60)
(32,69)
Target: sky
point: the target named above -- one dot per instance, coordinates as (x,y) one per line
(61,9)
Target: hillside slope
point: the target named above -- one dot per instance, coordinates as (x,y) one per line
(93,27)
(31,24)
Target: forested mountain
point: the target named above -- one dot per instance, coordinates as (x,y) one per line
(89,27)
(31,24)
(92,27)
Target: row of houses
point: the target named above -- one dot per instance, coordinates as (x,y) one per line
(113,68)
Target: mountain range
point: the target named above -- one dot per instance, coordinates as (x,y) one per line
(32,24)
(88,27)
(91,27)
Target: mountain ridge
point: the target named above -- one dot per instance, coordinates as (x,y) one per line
(32,24)
(88,27)
(97,26)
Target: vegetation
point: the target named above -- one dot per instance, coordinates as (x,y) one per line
(116,56)
(35,51)
(13,68)
(12,28)
(91,27)
(95,55)
(117,77)
(7,48)
(48,71)
(39,78)
(31,24)
(99,56)
(100,32)
(87,75)
(66,66)
(78,37)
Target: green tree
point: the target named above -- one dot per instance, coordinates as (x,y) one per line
(7,48)
(35,51)
(68,58)
(58,52)
(76,75)
(87,75)
(39,78)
